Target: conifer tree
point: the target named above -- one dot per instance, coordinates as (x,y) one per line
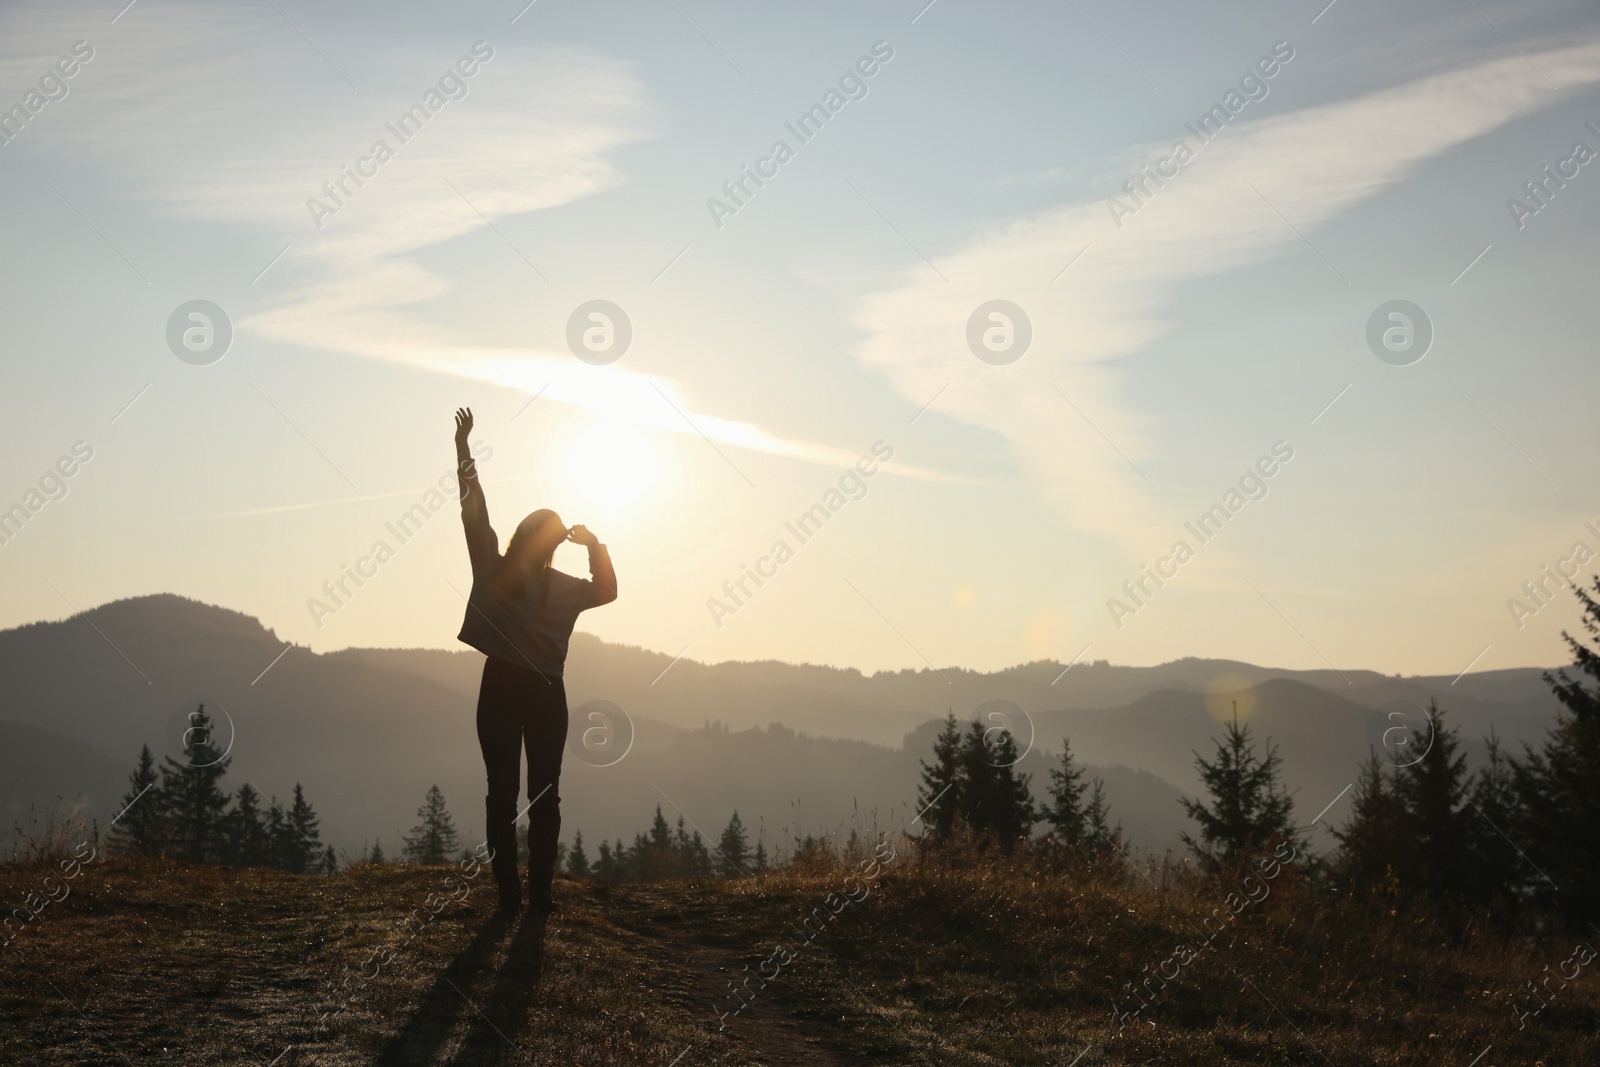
(137,825)
(624,867)
(605,865)
(644,861)
(330,862)
(193,801)
(1102,839)
(1556,786)
(433,840)
(690,855)
(1065,812)
(577,862)
(1498,868)
(661,832)
(1372,841)
(653,855)
(245,831)
(1431,790)
(302,850)
(280,847)
(995,800)
(938,797)
(1249,807)
(733,851)
(377,855)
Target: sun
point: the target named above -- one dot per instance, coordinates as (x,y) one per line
(612,464)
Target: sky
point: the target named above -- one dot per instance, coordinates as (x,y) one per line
(1172,323)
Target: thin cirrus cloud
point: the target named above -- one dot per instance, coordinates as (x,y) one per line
(209,116)
(1312,164)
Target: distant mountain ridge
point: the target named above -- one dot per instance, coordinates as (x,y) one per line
(368,730)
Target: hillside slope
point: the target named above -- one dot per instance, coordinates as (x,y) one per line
(975,966)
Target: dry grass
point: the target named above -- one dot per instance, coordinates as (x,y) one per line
(943,963)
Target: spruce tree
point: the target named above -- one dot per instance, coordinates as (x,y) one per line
(280,836)
(245,831)
(1436,859)
(654,855)
(690,855)
(646,861)
(938,797)
(623,865)
(377,854)
(605,866)
(661,832)
(1250,808)
(996,801)
(1102,839)
(1373,841)
(1556,786)
(577,862)
(733,851)
(1065,811)
(1498,868)
(433,840)
(137,826)
(302,849)
(330,862)
(759,863)
(192,798)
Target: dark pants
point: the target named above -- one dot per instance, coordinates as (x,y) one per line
(518,707)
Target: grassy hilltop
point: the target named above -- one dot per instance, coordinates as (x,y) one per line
(929,962)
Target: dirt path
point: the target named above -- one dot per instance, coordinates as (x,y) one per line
(778,1030)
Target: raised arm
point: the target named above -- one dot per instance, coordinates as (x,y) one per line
(601,573)
(482,544)
(466,469)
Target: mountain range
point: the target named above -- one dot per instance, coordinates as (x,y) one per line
(795,748)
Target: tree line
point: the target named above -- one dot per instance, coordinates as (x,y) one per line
(1521,830)
(181,810)
(665,852)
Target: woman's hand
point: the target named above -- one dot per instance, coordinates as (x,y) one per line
(463,424)
(580,535)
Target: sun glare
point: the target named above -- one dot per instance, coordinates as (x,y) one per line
(613,464)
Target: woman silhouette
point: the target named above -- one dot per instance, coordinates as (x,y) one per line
(520,616)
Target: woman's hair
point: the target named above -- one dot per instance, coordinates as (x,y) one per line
(541,567)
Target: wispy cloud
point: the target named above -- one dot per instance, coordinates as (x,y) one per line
(1308,165)
(224,117)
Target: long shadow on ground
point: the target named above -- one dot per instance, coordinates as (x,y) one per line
(504,1014)
(425,1032)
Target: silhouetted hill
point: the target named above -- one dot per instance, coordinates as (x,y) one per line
(38,766)
(368,730)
